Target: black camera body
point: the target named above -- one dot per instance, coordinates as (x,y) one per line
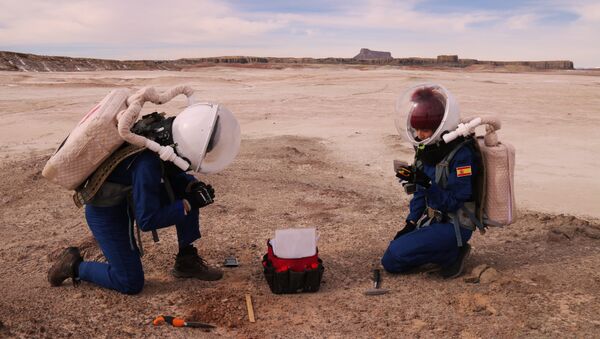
(409,188)
(155,127)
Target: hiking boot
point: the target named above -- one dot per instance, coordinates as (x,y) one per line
(456,268)
(66,266)
(188,264)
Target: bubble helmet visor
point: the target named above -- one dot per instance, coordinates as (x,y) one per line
(426,106)
(208,136)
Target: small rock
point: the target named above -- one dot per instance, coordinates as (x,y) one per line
(488,276)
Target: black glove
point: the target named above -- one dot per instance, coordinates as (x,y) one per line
(413,175)
(199,194)
(410,226)
(404,173)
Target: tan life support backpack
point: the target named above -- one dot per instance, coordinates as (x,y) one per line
(497,188)
(494,195)
(103,130)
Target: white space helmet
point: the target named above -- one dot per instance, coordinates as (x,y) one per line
(426,106)
(207,135)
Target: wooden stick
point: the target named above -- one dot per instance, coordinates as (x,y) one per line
(250,309)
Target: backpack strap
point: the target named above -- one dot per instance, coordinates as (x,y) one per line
(456,224)
(86,192)
(442,169)
(442,172)
(473,218)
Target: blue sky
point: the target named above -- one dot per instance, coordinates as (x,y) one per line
(136,29)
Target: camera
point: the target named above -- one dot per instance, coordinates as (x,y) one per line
(409,188)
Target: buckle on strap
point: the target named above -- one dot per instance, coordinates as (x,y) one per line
(435,215)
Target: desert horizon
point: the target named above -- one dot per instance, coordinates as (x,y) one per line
(26,62)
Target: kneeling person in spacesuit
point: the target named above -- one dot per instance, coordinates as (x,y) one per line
(433,233)
(160,195)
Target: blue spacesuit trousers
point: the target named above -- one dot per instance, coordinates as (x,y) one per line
(434,244)
(124,272)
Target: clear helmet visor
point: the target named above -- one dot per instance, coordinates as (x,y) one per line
(427,107)
(224,143)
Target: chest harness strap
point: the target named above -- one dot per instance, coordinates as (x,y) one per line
(442,172)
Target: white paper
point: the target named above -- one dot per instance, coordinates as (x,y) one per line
(293,243)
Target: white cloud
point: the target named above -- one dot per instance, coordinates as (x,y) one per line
(521,21)
(178,21)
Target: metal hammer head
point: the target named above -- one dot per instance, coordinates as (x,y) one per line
(376,291)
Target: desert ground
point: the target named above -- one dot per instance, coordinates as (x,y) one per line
(317,151)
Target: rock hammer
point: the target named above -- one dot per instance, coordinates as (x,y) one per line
(376,290)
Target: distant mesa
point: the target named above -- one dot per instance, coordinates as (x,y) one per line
(367,54)
(447,59)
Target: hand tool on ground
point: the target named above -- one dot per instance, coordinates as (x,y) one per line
(179,322)
(231,262)
(250,308)
(376,290)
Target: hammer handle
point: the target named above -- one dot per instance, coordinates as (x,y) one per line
(376,277)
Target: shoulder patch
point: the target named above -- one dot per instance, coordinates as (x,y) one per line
(463,171)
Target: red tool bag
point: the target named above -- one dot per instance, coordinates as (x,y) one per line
(292,275)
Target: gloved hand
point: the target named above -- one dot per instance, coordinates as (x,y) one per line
(413,175)
(404,173)
(409,227)
(199,194)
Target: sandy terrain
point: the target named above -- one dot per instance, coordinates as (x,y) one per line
(317,150)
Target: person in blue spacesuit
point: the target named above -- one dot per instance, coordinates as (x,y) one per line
(155,194)
(434,232)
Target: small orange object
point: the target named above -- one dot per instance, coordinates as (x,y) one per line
(178,322)
(158,320)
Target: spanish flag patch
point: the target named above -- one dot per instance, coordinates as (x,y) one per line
(463,171)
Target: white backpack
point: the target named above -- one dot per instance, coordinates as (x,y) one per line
(102,130)
(494,185)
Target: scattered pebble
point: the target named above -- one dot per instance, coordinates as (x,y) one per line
(488,276)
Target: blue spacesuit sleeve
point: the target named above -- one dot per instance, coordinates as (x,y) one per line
(459,187)
(179,183)
(417,205)
(153,210)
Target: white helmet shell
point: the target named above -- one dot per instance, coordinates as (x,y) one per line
(404,107)
(207,135)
